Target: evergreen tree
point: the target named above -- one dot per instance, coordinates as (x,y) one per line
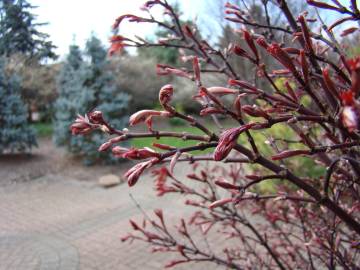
(18,31)
(15,134)
(85,85)
(70,83)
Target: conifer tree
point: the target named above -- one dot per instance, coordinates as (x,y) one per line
(69,84)
(15,134)
(19,32)
(24,45)
(87,85)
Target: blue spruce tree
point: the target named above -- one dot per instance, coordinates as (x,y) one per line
(83,86)
(18,35)
(70,83)
(15,134)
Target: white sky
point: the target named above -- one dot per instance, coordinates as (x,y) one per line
(69,19)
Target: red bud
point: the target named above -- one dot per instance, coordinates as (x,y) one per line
(196,68)
(226,185)
(304,66)
(220,202)
(306,34)
(105,146)
(289,153)
(251,44)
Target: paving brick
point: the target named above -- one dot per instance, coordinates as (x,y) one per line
(60,223)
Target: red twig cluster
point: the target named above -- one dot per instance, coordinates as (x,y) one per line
(307,222)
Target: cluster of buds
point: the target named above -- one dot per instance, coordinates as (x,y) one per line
(228,140)
(282,56)
(91,121)
(354,66)
(350,113)
(134,173)
(161,175)
(118,43)
(81,126)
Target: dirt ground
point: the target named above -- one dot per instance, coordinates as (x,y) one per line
(49,159)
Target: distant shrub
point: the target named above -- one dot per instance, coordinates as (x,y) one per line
(136,76)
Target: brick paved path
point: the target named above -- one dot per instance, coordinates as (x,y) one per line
(58,223)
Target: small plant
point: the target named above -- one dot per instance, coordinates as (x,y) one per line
(306,220)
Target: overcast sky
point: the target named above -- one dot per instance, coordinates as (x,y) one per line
(76,19)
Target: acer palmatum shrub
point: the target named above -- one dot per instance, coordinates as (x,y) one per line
(306,220)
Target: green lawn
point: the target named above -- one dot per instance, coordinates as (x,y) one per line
(43,129)
(176,142)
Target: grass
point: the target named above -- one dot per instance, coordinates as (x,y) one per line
(43,129)
(176,142)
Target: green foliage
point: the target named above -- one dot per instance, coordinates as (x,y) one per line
(18,31)
(15,134)
(354,52)
(351,43)
(84,86)
(280,83)
(43,129)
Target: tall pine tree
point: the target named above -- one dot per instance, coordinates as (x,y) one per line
(19,32)
(15,134)
(85,85)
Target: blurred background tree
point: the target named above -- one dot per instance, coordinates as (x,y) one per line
(84,83)
(15,134)
(19,31)
(27,50)
(69,84)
